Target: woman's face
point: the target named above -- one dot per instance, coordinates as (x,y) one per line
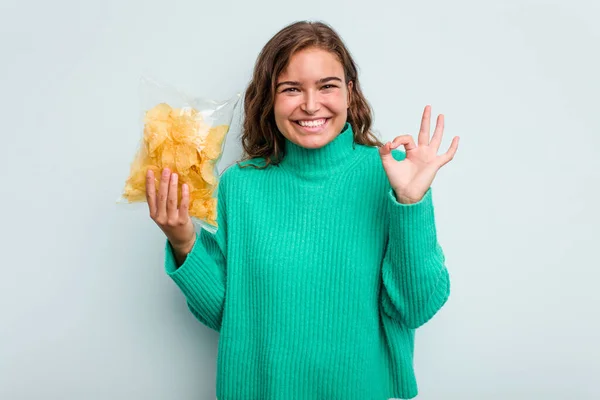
(311,98)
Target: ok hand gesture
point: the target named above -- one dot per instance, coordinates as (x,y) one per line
(411,178)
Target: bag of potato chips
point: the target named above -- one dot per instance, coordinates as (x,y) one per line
(186,135)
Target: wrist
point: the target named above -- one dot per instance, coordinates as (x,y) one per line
(180,252)
(403,199)
(184,247)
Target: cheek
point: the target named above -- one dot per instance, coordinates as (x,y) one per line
(284,106)
(338,102)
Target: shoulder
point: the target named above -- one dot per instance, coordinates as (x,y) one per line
(244,167)
(245,170)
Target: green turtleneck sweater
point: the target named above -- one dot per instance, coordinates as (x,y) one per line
(316,278)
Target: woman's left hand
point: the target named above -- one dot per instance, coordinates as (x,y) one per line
(411,178)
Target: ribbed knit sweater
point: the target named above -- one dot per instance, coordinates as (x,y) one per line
(316,278)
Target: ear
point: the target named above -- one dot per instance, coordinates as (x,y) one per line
(350,86)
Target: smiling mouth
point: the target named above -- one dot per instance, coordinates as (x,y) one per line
(313,126)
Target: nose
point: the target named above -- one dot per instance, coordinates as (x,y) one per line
(310,105)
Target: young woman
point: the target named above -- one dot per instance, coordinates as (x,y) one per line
(326,258)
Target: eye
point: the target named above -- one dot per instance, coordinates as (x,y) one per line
(328,86)
(289,89)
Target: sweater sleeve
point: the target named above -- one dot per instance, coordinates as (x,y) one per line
(202,275)
(416,283)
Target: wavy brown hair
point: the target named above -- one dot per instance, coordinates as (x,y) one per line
(260,136)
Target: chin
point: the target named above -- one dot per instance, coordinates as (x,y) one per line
(313,143)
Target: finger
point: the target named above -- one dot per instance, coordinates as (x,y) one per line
(185,202)
(424,130)
(172,211)
(436,140)
(151,193)
(449,155)
(163,190)
(406,140)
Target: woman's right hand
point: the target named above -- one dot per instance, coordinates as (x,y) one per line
(174,221)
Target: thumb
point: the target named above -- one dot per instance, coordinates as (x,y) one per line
(385,151)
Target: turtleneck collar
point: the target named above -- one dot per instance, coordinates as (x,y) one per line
(316,164)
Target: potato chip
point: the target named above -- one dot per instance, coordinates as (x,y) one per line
(179,139)
(161,112)
(214,141)
(196,181)
(217,134)
(205,208)
(155,134)
(207,172)
(185,157)
(167,158)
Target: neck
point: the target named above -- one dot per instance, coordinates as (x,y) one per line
(320,163)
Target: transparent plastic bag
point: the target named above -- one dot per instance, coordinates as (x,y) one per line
(187,135)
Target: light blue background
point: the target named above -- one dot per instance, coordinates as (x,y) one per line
(86,310)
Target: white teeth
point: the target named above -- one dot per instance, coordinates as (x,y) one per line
(312,123)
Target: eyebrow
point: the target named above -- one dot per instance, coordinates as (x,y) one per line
(322,80)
